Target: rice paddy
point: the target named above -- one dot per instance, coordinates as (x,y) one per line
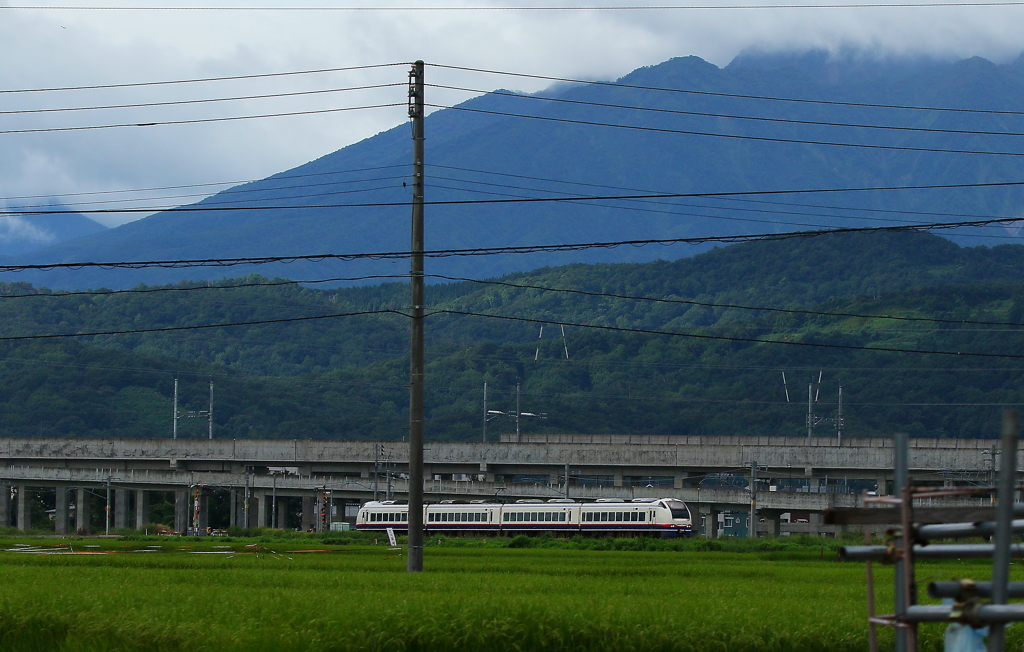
(305,595)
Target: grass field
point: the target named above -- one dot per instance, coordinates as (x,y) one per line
(195,596)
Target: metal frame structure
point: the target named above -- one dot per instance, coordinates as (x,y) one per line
(911,544)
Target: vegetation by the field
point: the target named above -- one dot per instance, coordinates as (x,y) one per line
(345,377)
(276,597)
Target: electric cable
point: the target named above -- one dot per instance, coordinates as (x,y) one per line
(733,95)
(198,120)
(709,304)
(204,185)
(480,251)
(200,101)
(694,132)
(726,338)
(540,8)
(194,80)
(165,329)
(729,115)
(467,202)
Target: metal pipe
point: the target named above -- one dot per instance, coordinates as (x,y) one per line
(987,613)
(964,589)
(933,551)
(1004,515)
(960,530)
(901,477)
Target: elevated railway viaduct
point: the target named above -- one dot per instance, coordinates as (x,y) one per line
(710,473)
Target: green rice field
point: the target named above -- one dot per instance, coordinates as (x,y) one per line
(293,595)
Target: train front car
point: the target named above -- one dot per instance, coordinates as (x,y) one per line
(674,518)
(379,516)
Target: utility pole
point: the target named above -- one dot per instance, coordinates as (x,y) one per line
(416,370)
(106,518)
(210,415)
(519,437)
(175,431)
(839,418)
(245,505)
(752,524)
(485,412)
(810,413)
(273,505)
(567,480)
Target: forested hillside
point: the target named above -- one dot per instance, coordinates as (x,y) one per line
(715,368)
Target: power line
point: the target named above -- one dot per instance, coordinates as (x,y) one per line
(483,251)
(731,116)
(733,95)
(190,81)
(694,132)
(522,286)
(547,8)
(712,194)
(201,101)
(196,120)
(727,338)
(708,304)
(166,329)
(232,192)
(215,183)
(753,201)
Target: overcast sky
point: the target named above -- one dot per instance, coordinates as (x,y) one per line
(62,47)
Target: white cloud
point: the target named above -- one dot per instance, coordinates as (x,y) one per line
(58,47)
(15,229)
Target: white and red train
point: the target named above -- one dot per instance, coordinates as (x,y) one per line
(657,516)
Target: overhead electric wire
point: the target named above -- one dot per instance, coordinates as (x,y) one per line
(726,338)
(712,208)
(733,95)
(198,120)
(711,134)
(710,304)
(200,101)
(713,194)
(478,251)
(165,329)
(541,8)
(205,185)
(232,192)
(194,80)
(731,199)
(520,286)
(730,116)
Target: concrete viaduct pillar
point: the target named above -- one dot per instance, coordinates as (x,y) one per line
(141,508)
(120,508)
(82,511)
(61,514)
(282,512)
(308,513)
(24,515)
(181,503)
(258,506)
(5,504)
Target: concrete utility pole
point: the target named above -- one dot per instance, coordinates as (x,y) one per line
(210,415)
(175,431)
(416,369)
(485,413)
(106,518)
(752,524)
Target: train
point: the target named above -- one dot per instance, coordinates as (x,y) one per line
(666,517)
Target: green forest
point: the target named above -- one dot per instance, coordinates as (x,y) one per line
(716,369)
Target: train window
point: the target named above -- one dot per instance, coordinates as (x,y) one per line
(641,516)
(618,516)
(533,516)
(504,517)
(561,517)
(405,516)
(633,516)
(430,518)
(604,516)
